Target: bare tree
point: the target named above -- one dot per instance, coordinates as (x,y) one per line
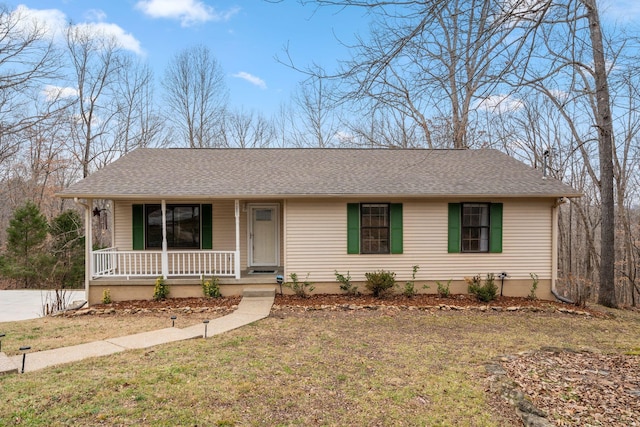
(95,61)
(28,60)
(195,95)
(246,130)
(429,60)
(317,123)
(139,124)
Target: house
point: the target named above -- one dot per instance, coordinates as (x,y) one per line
(247,215)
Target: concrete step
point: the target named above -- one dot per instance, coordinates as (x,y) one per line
(259,292)
(6,365)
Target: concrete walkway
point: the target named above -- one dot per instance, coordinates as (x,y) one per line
(255,305)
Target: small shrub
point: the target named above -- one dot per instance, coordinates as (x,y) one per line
(484,292)
(410,286)
(534,286)
(443,290)
(106,296)
(345,284)
(211,287)
(161,289)
(301,289)
(381,282)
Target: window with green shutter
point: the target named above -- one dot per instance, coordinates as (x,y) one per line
(374,228)
(189,226)
(475,227)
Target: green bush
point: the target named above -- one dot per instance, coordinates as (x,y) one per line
(106,296)
(345,284)
(211,287)
(443,290)
(484,292)
(410,286)
(534,286)
(299,288)
(161,289)
(381,282)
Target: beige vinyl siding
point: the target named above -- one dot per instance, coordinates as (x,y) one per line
(316,242)
(122,226)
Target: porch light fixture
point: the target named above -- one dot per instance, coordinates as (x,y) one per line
(1,336)
(98,212)
(502,276)
(173,321)
(24,356)
(280,281)
(206,323)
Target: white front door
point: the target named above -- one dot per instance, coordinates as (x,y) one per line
(264,221)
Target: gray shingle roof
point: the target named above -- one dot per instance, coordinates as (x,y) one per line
(242,173)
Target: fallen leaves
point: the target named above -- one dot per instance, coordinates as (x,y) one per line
(580,388)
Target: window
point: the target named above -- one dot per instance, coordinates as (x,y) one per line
(475,227)
(374,228)
(188,226)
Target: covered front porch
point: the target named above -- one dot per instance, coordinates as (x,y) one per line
(227,239)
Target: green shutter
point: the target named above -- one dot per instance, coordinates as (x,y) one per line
(137,220)
(495,223)
(395,218)
(454,227)
(207,227)
(353,228)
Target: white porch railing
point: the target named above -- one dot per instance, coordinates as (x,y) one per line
(111,262)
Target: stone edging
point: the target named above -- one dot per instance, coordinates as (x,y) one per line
(111,310)
(442,307)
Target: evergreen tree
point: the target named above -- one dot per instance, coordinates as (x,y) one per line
(26,259)
(68,249)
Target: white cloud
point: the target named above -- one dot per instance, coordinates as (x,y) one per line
(125,40)
(189,12)
(58,92)
(499,104)
(54,23)
(257,81)
(50,21)
(95,15)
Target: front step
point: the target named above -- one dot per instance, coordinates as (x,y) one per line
(259,292)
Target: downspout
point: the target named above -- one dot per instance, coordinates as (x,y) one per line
(554,250)
(88,244)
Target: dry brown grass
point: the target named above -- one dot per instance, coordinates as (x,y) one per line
(382,367)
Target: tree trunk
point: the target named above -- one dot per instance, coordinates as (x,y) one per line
(607,289)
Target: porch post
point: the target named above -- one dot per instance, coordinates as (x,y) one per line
(237,255)
(165,255)
(88,247)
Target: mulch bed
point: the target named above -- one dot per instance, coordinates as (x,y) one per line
(351,302)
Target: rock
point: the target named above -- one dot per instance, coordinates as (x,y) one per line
(513,308)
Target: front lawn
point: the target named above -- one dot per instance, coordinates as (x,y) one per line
(325,367)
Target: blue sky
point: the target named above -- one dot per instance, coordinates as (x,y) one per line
(245,36)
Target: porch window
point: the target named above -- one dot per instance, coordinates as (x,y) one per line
(475,227)
(188,226)
(374,228)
